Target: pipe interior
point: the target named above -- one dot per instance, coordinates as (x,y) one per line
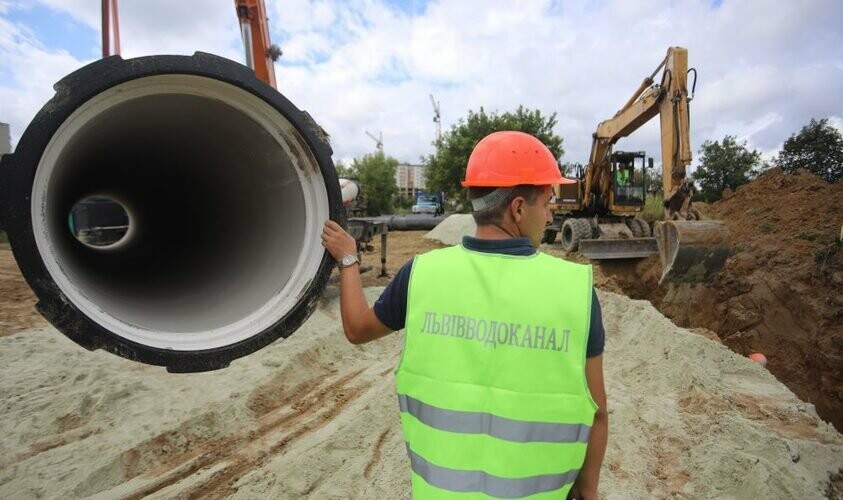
(216,209)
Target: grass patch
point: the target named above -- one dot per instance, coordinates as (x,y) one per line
(653,209)
(754,211)
(824,254)
(806,235)
(766,228)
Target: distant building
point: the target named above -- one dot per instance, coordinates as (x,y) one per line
(5,139)
(409,179)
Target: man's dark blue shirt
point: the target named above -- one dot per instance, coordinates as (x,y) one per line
(391,306)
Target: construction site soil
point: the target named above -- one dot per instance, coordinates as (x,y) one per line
(17,302)
(781,291)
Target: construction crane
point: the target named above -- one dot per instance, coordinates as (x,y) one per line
(378,140)
(254,28)
(110,26)
(437,119)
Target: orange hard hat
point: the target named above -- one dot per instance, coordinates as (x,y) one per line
(759,358)
(509,158)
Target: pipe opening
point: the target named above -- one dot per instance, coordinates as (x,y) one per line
(99,222)
(222,196)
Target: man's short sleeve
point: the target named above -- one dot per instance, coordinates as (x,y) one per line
(596,333)
(391,306)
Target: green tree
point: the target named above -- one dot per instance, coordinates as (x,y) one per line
(343,171)
(651,177)
(722,165)
(376,174)
(571,170)
(818,148)
(446,168)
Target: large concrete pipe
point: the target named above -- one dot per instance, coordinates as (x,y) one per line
(223,186)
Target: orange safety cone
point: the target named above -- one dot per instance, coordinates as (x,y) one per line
(759,358)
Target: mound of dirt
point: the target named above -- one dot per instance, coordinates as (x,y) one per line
(16,311)
(313,416)
(780,291)
(451,230)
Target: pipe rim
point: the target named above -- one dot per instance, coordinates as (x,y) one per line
(312,182)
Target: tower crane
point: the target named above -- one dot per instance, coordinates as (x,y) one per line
(378,140)
(437,119)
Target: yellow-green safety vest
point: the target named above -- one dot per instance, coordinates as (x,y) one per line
(491,383)
(622,176)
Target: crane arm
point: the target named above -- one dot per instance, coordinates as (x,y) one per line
(260,54)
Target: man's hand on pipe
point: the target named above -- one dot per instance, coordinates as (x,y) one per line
(338,242)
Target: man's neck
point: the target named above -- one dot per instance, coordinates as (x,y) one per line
(495,232)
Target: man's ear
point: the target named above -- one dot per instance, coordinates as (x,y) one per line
(517,207)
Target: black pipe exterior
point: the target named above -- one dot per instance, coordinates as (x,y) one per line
(220,204)
(413,222)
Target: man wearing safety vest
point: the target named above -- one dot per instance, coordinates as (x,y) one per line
(500,384)
(622,175)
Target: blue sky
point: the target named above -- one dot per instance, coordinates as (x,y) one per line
(56,30)
(371,64)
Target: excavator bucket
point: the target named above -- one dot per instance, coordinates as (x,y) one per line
(691,251)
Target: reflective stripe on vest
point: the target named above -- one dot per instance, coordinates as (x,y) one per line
(491,382)
(468,422)
(470,481)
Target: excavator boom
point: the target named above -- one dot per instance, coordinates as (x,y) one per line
(690,249)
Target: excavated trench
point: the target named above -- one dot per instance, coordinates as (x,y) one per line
(779,293)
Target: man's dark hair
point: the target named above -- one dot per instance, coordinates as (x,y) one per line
(494,214)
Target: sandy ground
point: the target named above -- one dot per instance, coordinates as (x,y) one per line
(16,299)
(315,417)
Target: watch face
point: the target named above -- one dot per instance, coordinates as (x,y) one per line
(348,260)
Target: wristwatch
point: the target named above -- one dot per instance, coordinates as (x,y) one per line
(348,261)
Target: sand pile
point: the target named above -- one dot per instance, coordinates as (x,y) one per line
(313,416)
(451,230)
(780,292)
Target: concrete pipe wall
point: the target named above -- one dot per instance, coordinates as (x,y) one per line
(225,186)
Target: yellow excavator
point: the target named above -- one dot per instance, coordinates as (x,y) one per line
(597,214)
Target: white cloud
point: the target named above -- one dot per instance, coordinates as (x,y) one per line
(764,70)
(836,122)
(164,26)
(33,71)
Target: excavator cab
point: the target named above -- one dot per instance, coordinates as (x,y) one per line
(628,180)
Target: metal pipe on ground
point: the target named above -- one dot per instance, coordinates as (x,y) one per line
(223,186)
(415,222)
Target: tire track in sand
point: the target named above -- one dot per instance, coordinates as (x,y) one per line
(302,414)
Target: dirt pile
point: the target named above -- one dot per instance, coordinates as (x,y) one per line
(780,291)
(451,230)
(17,311)
(313,416)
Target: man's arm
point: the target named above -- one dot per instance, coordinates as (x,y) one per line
(358,319)
(585,486)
